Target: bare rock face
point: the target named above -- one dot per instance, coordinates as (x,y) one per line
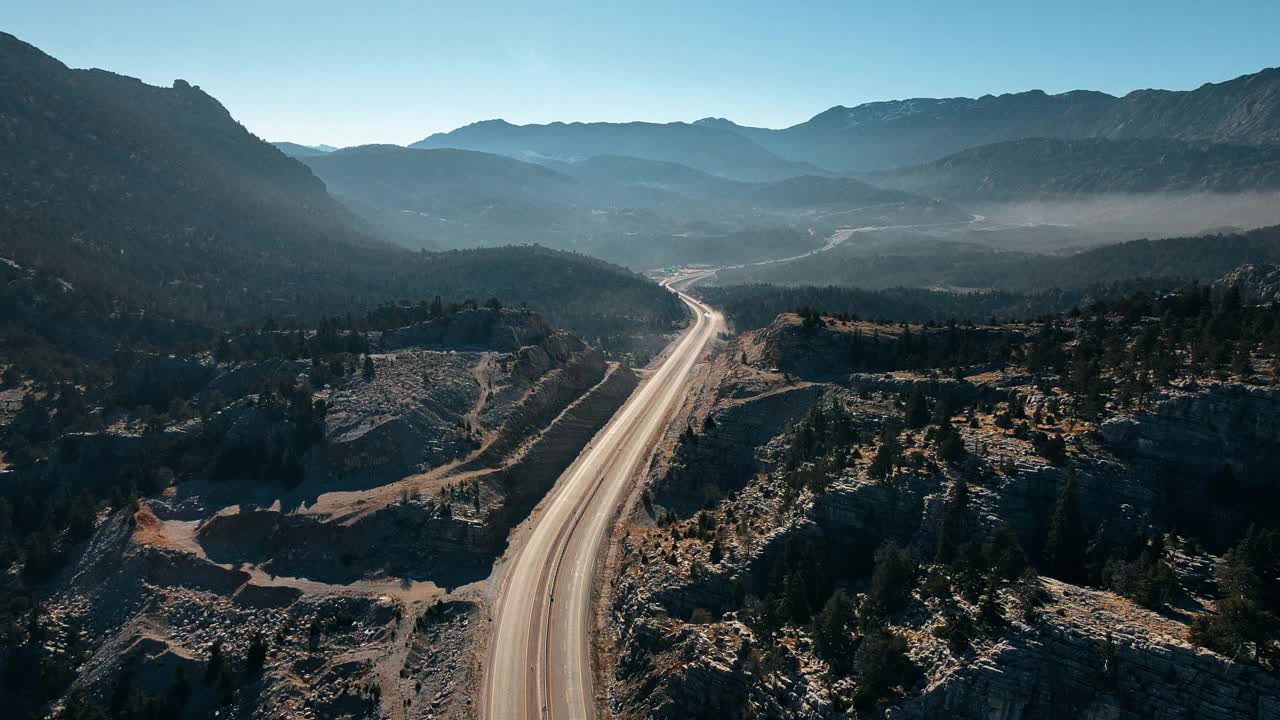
(415,531)
(1203,432)
(403,420)
(525,480)
(1259,284)
(722,458)
(1212,448)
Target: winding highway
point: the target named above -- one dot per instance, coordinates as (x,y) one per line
(539,663)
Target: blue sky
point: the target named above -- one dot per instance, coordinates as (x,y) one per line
(322,72)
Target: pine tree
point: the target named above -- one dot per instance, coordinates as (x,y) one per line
(716,553)
(1248,589)
(893,579)
(833,639)
(256,657)
(180,690)
(887,455)
(882,664)
(954,521)
(217,663)
(1064,548)
(950,445)
(1004,554)
(917,408)
(795,600)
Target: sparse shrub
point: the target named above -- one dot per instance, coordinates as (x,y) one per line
(1050,446)
(1030,595)
(957,630)
(990,611)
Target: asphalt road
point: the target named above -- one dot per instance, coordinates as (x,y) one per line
(539,663)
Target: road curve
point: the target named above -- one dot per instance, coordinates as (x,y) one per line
(539,663)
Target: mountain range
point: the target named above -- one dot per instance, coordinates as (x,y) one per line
(635,211)
(880,135)
(712,150)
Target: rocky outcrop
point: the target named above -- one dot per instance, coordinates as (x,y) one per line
(1093,657)
(405,419)
(320,661)
(525,481)
(417,535)
(476,330)
(413,537)
(555,390)
(958,392)
(424,408)
(147,379)
(1110,497)
(245,378)
(101,460)
(866,513)
(1208,456)
(1258,284)
(722,456)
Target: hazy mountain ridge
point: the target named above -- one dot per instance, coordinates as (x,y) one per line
(444,182)
(1198,259)
(642,213)
(711,150)
(294,150)
(879,135)
(950,264)
(656,177)
(1051,167)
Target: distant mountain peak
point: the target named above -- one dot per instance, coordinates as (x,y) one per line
(297,150)
(717,122)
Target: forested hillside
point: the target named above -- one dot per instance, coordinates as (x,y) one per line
(750,307)
(1201,258)
(154,202)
